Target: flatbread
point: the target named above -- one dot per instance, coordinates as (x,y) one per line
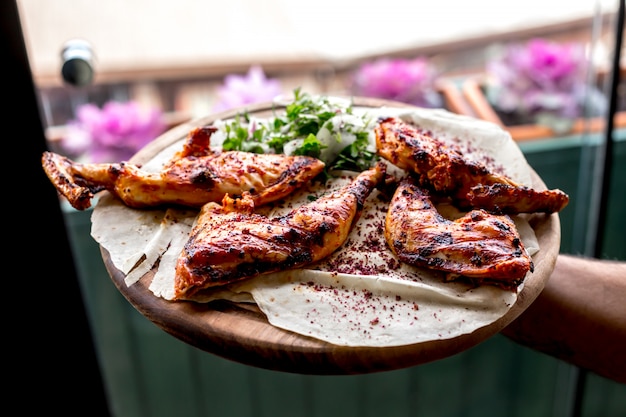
(359,296)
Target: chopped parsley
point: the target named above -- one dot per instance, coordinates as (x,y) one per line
(310,125)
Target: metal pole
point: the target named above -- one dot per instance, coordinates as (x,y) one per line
(606,166)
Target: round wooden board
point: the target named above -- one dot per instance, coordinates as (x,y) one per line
(241,332)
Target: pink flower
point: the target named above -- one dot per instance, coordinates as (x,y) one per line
(252,88)
(550,64)
(543,81)
(409,81)
(111,134)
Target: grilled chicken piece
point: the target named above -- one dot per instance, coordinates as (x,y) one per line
(229,242)
(444,170)
(194,176)
(482,246)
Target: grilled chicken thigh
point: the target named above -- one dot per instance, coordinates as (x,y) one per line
(479,245)
(194,176)
(444,170)
(230,242)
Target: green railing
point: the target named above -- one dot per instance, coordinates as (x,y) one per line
(568,163)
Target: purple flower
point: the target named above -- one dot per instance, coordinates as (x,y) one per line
(111,134)
(239,90)
(406,80)
(543,81)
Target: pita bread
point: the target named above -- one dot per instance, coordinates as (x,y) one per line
(360,295)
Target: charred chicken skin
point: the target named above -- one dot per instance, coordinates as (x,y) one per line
(194,176)
(230,242)
(479,245)
(444,170)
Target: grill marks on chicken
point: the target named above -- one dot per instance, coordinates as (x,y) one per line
(230,242)
(484,244)
(479,245)
(194,176)
(446,171)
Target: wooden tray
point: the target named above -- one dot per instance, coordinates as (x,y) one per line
(241,332)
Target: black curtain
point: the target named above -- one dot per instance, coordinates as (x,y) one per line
(49,350)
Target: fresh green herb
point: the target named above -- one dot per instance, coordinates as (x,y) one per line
(355,156)
(310,147)
(310,125)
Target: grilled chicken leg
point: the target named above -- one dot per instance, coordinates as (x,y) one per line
(194,176)
(230,242)
(445,170)
(479,245)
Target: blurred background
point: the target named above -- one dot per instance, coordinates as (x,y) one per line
(175,55)
(155,64)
